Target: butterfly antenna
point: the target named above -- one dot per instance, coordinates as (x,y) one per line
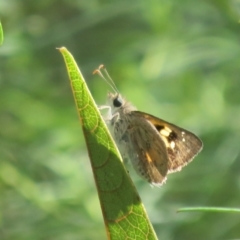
(106,77)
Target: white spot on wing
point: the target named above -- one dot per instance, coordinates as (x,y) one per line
(172,144)
(183,139)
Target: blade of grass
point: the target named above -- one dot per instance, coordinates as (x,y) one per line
(209,209)
(1,34)
(123,212)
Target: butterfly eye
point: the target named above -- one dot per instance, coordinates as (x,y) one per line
(117,102)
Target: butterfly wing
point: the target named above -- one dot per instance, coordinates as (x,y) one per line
(181,145)
(146,150)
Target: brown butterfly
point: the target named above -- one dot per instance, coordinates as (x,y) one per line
(155,147)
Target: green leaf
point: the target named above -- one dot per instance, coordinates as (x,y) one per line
(1,34)
(123,212)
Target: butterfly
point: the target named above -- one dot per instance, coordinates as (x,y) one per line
(155,147)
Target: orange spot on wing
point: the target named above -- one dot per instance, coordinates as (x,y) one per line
(148,157)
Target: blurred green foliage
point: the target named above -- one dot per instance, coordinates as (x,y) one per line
(176,60)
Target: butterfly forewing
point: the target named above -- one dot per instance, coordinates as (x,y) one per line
(181,145)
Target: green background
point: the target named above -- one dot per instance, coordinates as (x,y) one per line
(176,60)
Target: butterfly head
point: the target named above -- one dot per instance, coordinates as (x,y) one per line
(119,104)
(115,100)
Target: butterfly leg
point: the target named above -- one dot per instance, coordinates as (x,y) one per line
(104,107)
(108,116)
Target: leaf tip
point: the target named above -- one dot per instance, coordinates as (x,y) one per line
(61,49)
